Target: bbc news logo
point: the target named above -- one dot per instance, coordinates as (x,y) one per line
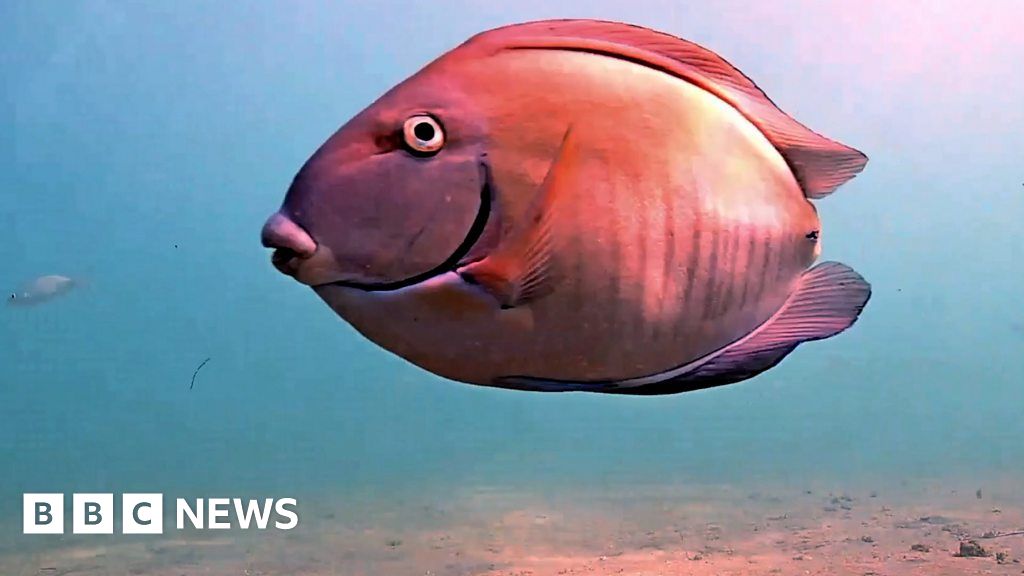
(144,513)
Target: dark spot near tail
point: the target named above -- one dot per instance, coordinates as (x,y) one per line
(812,235)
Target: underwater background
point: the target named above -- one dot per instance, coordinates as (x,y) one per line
(144,144)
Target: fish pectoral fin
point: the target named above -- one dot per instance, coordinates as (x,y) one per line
(828,300)
(523,267)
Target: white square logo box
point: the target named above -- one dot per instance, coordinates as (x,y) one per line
(92,513)
(43,513)
(142,513)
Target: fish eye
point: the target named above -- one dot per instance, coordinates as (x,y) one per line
(423,135)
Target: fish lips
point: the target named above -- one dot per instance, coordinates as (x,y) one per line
(297,254)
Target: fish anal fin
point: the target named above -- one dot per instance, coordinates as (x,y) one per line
(523,266)
(819,164)
(828,300)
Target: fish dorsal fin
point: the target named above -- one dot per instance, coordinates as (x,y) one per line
(820,165)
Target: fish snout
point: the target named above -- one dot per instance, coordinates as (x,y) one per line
(292,245)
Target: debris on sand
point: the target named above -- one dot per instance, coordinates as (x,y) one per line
(920,548)
(956,530)
(971,549)
(867,539)
(994,534)
(839,502)
(948,525)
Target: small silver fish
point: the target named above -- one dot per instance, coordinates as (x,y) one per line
(41,290)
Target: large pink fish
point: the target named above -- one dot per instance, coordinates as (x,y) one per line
(574,205)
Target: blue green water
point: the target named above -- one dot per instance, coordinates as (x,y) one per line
(143,144)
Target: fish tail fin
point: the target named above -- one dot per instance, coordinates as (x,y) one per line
(828,300)
(81,281)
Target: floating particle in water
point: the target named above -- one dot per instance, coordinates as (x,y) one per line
(198,368)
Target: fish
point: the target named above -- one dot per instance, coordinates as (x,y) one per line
(41,289)
(574,205)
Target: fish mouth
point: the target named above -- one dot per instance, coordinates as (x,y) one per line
(473,235)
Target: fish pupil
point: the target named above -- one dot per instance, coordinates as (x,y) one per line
(424,131)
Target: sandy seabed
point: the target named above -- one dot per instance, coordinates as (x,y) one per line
(914,528)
